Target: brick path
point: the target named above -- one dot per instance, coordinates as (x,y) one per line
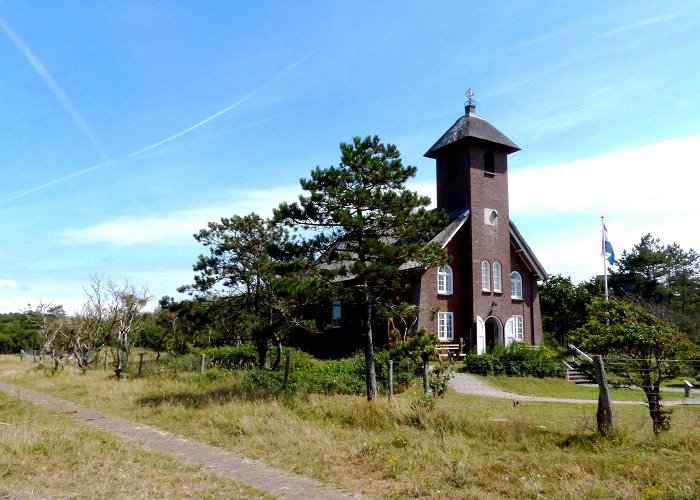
(465,383)
(285,485)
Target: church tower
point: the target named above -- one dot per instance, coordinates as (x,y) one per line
(472,186)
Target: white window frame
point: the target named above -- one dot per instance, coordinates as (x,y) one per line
(516,285)
(445,280)
(446,326)
(337,314)
(485,276)
(518,329)
(496,273)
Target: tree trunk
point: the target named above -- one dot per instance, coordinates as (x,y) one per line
(261,345)
(278,352)
(655,411)
(370,373)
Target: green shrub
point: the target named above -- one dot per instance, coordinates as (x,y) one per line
(238,357)
(517,359)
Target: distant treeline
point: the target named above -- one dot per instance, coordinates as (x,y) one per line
(17,331)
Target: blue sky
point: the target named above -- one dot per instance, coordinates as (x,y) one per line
(127,125)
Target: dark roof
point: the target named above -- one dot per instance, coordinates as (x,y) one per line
(524,250)
(516,240)
(443,237)
(472,126)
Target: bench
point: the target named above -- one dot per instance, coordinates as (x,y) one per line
(449,351)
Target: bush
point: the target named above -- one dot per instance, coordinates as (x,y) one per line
(232,357)
(517,359)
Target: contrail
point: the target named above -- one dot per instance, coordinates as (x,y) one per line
(53,86)
(167,139)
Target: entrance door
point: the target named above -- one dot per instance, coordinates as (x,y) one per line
(493,332)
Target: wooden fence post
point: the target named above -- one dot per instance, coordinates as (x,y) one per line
(391,379)
(201,363)
(140,362)
(105,361)
(426,379)
(604,416)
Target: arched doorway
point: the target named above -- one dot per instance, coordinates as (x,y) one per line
(493,332)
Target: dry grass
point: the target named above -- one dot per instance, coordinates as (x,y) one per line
(47,455)
(467,447)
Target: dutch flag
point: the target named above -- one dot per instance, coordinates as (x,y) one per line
(607,249)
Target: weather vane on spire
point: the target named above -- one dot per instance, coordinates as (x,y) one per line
(470,95)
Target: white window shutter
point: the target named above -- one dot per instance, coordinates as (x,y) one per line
(510,333)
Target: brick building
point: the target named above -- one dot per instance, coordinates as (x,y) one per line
(487,294)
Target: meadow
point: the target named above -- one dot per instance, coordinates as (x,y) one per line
(412,447)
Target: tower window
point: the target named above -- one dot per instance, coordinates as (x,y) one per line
(486,276)
(444,284)
(489,163)
(497,283)
(452,167)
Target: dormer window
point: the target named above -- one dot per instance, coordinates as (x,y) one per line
(516,285)
(489,163)
(444,284)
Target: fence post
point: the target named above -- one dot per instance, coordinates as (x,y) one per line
(286,372)
(604,416)
(426,379)
(105,361)
(140,362)
(201,363)
(391,379)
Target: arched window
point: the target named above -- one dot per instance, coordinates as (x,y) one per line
(485,276)
(497,283)
(489,163)
(516,285)
(444,284)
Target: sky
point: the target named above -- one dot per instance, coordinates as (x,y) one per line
(127,125)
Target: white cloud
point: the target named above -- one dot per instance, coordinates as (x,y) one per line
(647,189)
(178,227)
(8,284)
(646,180)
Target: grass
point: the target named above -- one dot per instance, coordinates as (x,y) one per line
(48,455)
(466,447)
(560,388)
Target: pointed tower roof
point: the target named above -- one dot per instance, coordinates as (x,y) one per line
(471,126)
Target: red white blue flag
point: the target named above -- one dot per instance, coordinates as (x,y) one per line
(607,249)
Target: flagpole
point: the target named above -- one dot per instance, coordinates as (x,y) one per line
(605,261)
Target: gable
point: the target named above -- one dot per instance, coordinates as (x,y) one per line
(523,250)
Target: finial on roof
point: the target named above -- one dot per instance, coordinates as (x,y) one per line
(470,105)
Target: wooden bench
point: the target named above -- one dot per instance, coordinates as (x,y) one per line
(449,351)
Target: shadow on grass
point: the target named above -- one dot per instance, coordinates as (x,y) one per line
(591,441)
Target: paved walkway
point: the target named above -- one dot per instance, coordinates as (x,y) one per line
(466,383)
(280,484)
